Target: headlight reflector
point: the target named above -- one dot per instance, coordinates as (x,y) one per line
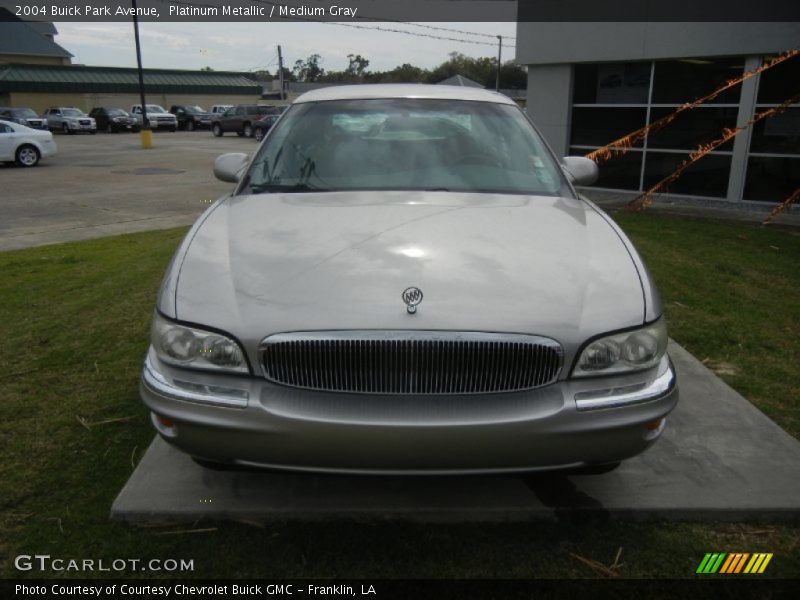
(624,352)
(185,346)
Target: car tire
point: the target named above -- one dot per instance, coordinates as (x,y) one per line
(190,125)
(258,133)
(27,156)
(174,128)
(65,128)
(93,131)
(217,130)
(248,130)
(109,128)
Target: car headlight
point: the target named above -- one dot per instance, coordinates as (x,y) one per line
(195,348)
(624,352)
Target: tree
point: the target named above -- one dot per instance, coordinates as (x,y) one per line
(358,66)
(513,77)
(263,75)
(308,69)
(405,73)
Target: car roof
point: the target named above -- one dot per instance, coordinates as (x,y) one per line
(402,90)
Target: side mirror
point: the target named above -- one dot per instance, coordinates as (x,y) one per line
(580,170)
(229,167)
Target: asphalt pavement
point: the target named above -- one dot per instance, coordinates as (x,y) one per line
(106,184)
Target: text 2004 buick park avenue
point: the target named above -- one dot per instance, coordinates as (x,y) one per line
(404,280)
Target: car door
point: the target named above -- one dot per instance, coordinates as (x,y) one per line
(53,118)
(237,120)
(6,142)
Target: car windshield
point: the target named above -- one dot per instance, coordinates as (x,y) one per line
(117,112)
(155,108)
(194,109)
(72,112)
(404,144)
(26,113)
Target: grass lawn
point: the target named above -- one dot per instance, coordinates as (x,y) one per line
(75,329)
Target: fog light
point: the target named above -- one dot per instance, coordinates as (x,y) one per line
(654,425)
(165,421)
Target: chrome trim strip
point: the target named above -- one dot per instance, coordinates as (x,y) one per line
(627,395)
(202,394)
(409,334)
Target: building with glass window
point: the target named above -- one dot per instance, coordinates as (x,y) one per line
(592,83)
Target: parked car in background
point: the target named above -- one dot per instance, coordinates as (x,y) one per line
(404,280)
(157,117)
(69,119)
(263,125)
(218,109)
(23,116)
(113,120)
(24,145)
(191,117)
(240,118)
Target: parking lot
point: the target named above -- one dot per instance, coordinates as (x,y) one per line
(98,185)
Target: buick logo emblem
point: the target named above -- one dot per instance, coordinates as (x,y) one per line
(412,297)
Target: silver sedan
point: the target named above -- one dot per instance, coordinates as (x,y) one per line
(405,280)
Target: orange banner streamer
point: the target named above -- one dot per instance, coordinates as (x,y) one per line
(646,199)
(621,146)
(795,197)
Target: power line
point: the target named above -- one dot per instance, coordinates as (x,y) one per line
(265,66)
(406,32)
(412,24)
(489,35)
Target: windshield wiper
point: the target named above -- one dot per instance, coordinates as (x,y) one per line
(285,187)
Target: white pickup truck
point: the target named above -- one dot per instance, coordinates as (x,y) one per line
(157,117)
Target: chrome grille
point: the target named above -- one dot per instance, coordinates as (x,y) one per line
(411,362)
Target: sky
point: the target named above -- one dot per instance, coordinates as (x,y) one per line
(253,46)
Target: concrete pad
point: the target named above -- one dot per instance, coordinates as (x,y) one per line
(719,458)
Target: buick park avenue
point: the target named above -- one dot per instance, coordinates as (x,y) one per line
(404,280)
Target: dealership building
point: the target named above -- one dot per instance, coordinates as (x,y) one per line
(591,83)
(36,73)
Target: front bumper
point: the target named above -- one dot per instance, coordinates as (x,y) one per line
(250,421)
(75,126)
(165,124)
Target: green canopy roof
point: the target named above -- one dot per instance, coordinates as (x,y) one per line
(61,79)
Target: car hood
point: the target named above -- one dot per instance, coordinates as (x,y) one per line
(261,264)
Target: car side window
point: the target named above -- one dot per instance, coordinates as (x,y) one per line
(239,110)
(5,128)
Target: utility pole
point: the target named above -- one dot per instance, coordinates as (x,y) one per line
(499,54)
(280,69)
(146,135)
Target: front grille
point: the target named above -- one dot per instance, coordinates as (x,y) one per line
(85,122)
(411,362)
